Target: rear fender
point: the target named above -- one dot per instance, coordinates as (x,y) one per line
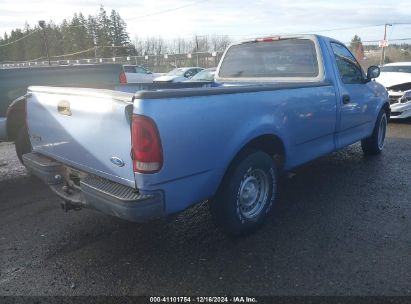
(16,117)
(273,144)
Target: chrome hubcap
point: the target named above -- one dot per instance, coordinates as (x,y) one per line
(381,131)
(253,193)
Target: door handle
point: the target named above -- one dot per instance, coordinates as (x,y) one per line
(346,99)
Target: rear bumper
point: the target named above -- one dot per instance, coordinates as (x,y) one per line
(97,193)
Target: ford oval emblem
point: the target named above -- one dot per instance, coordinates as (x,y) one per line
(117,161)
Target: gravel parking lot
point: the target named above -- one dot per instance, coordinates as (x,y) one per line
(341,226)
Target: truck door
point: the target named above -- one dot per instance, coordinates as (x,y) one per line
(356,98)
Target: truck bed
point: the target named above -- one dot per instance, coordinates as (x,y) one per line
(83,128)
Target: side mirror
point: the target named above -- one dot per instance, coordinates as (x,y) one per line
(149,72)
(373,72)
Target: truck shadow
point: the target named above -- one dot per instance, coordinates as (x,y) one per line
(326,216)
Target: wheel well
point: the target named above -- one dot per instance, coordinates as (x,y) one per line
(270,144)
(387,109)
(16,117)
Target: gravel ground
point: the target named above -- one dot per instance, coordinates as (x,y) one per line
(341,226)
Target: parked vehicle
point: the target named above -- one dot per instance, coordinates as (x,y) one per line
(178,74)
(281,102)
(396,77)
(204,75)
(138,74)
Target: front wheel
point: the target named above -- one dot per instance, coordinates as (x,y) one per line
(375,143)
(246,194)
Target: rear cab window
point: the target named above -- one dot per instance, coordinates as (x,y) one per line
(286,59)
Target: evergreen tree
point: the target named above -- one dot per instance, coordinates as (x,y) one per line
(67,39)
(54,40)
(119,34)
(92,28)
(357,48)
(355,41)
(87,41)
(78,32)
(104,38)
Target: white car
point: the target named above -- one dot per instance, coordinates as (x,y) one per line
(138,74)
(396,77)
(179,74)
(206,75)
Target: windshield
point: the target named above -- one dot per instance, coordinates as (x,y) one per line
(397,68)
(283,58)
(205,75)
(176,72)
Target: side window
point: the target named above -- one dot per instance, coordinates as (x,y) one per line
(350,70)
(129,69)
(190,73)
(140,70)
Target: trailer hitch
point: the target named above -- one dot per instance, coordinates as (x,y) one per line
(67,205)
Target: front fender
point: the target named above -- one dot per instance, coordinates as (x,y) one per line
(383,100)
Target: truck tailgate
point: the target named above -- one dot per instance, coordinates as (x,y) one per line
(87,129)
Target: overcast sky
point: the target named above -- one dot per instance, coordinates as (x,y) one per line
(237,18)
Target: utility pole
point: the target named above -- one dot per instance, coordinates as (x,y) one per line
(42,24)
(197,50)
(384,43)
(95,53)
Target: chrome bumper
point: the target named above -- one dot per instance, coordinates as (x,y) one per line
(96,192)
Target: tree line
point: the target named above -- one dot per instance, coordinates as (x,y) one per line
(99,36)
(195,44)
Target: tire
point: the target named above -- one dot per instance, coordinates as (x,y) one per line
(374,144)
(22,143)
(246,194)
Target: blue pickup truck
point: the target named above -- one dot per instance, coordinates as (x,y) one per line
(278,103)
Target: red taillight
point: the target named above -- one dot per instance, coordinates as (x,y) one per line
(268,39)
(122,77)
(146,146)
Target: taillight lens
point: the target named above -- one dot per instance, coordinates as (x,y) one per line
(122,77)
(268,39)
(146,146)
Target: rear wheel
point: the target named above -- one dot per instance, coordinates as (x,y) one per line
(246,194)
(375,143)
(22,143)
